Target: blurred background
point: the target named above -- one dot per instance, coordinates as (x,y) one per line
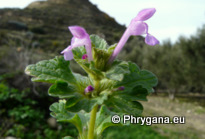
(31,31)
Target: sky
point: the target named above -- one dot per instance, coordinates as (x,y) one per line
(173,18)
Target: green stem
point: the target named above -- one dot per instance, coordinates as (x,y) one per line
(92,122)
(97,85)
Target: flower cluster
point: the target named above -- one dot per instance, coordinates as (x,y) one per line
(136,27)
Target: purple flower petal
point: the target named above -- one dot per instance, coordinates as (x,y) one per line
(77,31)
(151,40)
(88,89)
(81,38)
(137,27)
(76,42)
(68,54)
(145,14)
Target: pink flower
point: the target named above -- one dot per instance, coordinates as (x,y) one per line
(80,38)
(136,27)
(68,54)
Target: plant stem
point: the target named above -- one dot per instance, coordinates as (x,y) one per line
(92,122)
(96,85)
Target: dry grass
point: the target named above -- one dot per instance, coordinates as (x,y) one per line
(194,114)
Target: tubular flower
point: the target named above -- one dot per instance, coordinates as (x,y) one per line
(80,38)
(136,27)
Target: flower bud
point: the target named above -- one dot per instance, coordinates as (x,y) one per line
(121,88)
(88,89)
(85,56)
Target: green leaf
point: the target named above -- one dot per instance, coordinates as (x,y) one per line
(98,42)
(133,67)
(103,120)
(77,103)
(68,137)
(111,48)
(90,70)
(138,77)
(81,82)
(118,70)
(137,93)
(106,84)
(100,58)
(100,51)
(73,100)
(60,112)
(62,90)
(126,106)
(50,71)
(78,52)
(83,104)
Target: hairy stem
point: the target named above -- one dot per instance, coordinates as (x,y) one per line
(97,85)
(92,122)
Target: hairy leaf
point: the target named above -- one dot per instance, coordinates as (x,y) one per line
(62,90)
(138,77)
(98,42)
(126,106)
(78,52)
(103,120)
(137,93)
(50,71)
(75,104)
(118,70)
(62,115)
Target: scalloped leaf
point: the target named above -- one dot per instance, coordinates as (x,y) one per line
(98,42)
(100,51)
(83,104)
(77,103)
(103,120)
(62,115)
(100,58)
(90,70)
(78,52)
(81,82)
(118,70)
(138,77)
(111,48)
(62,90)
(50,71)
(126,106)
(137,93)
(106,84)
